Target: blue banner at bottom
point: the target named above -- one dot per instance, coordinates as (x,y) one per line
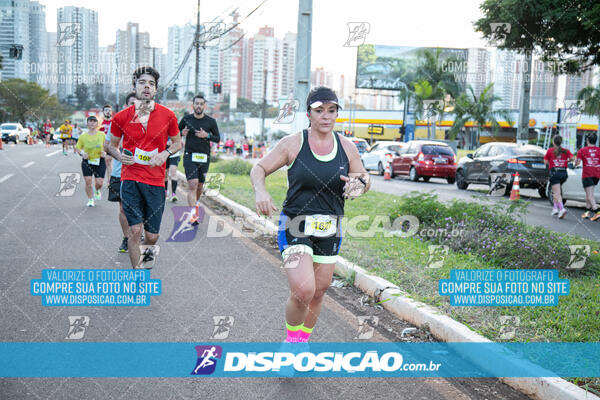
(223,359)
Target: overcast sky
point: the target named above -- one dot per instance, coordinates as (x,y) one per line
(403,23)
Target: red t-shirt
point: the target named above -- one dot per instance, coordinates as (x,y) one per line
(590,155)
(105,126)
(161,124)
(561,162)
(46,128)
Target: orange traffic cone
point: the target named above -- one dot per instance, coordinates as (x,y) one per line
(387,175)
(1,144)
(514,193)
(29,140)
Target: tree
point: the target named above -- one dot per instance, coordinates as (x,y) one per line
(245,106)
(565,33)
(591,97)
(436,68)
(429,103)
(480,109)
(22,101)
(83,96)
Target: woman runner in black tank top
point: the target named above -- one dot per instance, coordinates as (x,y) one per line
(324,169)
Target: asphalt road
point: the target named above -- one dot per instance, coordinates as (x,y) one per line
(207,277)
(538,210)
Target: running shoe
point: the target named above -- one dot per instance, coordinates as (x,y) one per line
(97,194)
(194,220)
(147,256)
(174,198)
(596,216)
(562,213)
(585,214)
(90,203)
(124,247)
(554,211)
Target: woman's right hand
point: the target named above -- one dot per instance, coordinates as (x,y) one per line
(84,155)
(264,204)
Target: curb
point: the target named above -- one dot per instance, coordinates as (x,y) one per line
(422,315)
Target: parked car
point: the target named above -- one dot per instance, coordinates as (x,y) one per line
(425,159)
(13,132)
(361,145)
(572,189)
(375,158)
(504,158)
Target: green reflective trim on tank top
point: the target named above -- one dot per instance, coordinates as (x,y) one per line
(330,156)
(301,143)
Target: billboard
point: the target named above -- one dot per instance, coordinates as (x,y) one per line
(388,67)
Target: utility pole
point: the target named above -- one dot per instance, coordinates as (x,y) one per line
(264,107)
(197,42)
(523,127)
(303,50)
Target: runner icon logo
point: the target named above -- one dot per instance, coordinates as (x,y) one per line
(287,111)
(366,327)
(207,359)
(572,112)
(68,183)
(183,229)
(508,326)
(212,187)
(77,327)
(500,31)
(579,255)
(437,254)
(223,324)
(67,33)
(357,33)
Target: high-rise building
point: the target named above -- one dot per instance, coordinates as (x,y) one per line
(133,47)
(577,82)
(38,58)
(274,59)
(320,77)
(107,76)
(77,42)
(478,70)
(52,66)
(544,87)
(230,63)
(15,33)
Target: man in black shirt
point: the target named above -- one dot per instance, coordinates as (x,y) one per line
(199,130)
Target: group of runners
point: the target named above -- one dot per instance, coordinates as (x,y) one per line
(557,159)
(145,140)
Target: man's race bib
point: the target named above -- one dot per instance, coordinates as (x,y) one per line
(94,161)
(144,157)
(199,157)
(64,135)
(320,225)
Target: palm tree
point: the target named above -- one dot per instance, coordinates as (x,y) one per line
(427,107)
(480,109)
(591,96)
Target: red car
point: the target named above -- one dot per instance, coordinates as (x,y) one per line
(426,159)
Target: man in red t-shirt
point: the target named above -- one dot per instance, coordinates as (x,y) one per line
(557,159)
(105,128)
(145,129)
(590,156)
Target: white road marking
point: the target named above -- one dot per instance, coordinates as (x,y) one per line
(29,164)
(6,177)
(53,153)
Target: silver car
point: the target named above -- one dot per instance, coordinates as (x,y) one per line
(572,189)
(378,155)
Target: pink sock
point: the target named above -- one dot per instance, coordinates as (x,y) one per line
(293,333)
(303,336)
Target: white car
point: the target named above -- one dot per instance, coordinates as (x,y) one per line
(572,189)
(13,132)
(379,154)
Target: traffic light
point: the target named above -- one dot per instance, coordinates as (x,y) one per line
(216,87)
(175,87)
